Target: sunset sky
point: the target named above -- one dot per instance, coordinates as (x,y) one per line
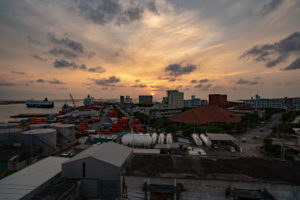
(108,48)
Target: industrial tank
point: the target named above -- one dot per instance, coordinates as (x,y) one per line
(46,138)
(10,133)
(154,138)
(65,133)
(142,140)
(161,138)
(169,138)
(38,126)
(205,139)
(196,139)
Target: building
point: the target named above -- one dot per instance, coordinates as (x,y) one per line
(146,100)
(175,99)
(15,158)
(206,114)
(174,177)
(276,103)
(122,99)
(194,102)
(162,110)
(28,182)
(217,98)
(98,169)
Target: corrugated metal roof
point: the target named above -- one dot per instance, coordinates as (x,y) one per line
(220,137)
(21,183)
(110,152)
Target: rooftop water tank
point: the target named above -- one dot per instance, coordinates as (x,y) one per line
(46,138)
(65,133)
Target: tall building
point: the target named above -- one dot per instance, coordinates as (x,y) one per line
(122,99)
(145,100)
(175,99)
(217,98)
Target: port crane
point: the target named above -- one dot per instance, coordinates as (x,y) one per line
(73,101)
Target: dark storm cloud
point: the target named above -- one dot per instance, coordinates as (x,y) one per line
(206,87)
(271,6)
(178,70)
(62,52)
(4,83)
(246,82)
(203,81)
(139,86)
(56,82)
(275,53)
(65,64)
(97,69)
(40,81)
(106,11)
(20,73)
(198,86)
(107,82)
(38,57)
(294,65)
(193,81)
(67,42)
(278,60)
(62,63)
(34,41)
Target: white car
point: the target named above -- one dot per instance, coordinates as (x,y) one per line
(243,139)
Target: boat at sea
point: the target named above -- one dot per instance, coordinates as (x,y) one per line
(40,104)
(88,100)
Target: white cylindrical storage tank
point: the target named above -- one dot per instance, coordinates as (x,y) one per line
(46,138)
(142,140)
(161,138)
(154,138)
(38,126)
(205,139)
(65,133)
(196,139)
(169,138)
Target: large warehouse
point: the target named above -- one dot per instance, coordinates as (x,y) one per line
(98,169)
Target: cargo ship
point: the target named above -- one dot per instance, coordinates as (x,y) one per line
(40,104)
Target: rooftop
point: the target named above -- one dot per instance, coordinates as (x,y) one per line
(206,114)
(112,153)
(21,183)
(220,137)
(233,169)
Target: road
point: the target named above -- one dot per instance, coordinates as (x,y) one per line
(254,137)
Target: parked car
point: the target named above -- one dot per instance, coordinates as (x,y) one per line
(244,139)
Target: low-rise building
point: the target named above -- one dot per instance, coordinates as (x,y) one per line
(98,170)
(194,102)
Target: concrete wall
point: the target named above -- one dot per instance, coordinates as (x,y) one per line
(101,179)
(95,169)
(210,189)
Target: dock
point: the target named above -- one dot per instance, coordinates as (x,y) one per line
(32,115)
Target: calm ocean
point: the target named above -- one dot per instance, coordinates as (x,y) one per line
(14,109)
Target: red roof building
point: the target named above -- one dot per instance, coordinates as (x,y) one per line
(206,114)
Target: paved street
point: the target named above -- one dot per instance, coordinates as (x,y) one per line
(254,137)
